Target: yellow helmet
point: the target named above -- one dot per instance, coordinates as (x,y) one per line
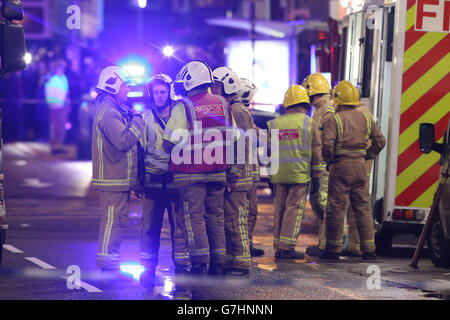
(294,95)
(316,83)
(305,81)
(344,93)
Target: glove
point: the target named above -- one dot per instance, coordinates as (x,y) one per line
(231,187)
(314,185)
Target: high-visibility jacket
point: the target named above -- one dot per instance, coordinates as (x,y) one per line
(211,112)
(114,146)
(299,148)
(156,159)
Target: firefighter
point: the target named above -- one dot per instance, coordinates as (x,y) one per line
(300,163)
(202,182)
(115,144)
(245,96)
(160,193)
(345,138)
(228,84)
(319,93)
(352,249)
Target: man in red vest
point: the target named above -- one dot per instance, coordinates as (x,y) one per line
(200,169)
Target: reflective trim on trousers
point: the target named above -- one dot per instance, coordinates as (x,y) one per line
(130,163)
(285,240)
(108,229)
(187,218)
(200,252)
(243,258)
(109,257)
(335,243)
(243,232)
(218,252)
(298,221)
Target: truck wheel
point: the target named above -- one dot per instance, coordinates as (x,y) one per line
(383,242)
(438,246)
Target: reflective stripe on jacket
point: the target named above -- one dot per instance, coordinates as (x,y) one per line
(156,159)
(212,112)
(299,148)
(347,134)
(157,173)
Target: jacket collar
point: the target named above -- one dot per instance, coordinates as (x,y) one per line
(323,102)
(122,108)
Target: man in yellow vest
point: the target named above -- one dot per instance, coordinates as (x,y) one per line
(345,138)
(300,163)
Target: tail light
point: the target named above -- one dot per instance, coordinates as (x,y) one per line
(408,214)
(398,214)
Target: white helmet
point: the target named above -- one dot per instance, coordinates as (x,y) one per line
(247,91)
(194,74)
(230,80)
(111,78)
(161,78)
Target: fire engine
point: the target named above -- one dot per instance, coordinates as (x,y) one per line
(397,53)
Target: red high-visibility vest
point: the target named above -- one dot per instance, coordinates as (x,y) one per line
(212,112)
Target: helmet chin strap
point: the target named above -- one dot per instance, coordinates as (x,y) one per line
(161,108)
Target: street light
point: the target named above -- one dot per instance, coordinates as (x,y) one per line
(142,4)
(28,58)
(168,51)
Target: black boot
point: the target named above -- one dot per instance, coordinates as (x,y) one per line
(182,289)
(199,269)
(329,256)
(215,270)
(255,252)
(289,254)
(237,272)
(348,253)
(148,277)
(370,256)
(314,251)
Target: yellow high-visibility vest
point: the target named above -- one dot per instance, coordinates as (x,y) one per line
(295,148)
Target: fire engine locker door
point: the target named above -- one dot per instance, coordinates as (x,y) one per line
(354,52)
(372,63)
(358,49)
(383,99)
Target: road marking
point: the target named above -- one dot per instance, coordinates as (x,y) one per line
(12,248)
(88,287)
(40,263)
(344,293)
(46,266)
(442,281)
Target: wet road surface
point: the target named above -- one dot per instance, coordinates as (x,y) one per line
(54,219)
